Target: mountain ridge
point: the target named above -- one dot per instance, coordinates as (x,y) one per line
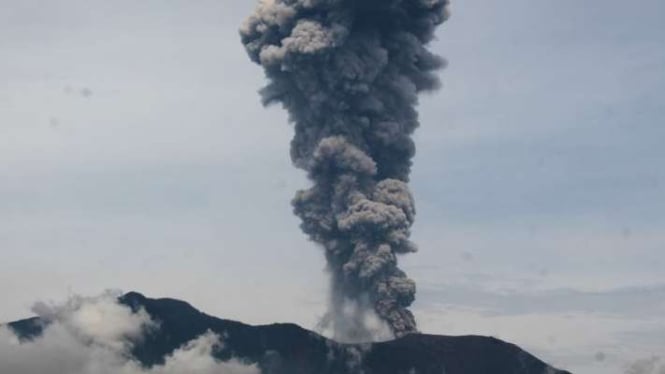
(286,348)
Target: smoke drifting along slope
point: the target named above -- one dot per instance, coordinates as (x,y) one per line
(349,72)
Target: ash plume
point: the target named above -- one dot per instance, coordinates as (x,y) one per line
(349,73)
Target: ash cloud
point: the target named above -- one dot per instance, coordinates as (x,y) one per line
(95,336)
(349,73)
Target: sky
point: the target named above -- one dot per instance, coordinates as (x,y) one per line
(135,155)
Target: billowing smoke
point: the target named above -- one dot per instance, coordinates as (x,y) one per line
(95,336)
(349,73)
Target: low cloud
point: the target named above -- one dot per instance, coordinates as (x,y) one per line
(651,365)
(95,336)
(621,302)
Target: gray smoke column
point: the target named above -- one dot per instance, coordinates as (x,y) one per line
(349,73)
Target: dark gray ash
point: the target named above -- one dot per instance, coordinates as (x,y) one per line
(349,73)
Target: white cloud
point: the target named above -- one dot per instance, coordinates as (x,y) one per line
(95,335)
(651,365)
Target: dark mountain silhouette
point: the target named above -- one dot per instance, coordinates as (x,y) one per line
(290,349)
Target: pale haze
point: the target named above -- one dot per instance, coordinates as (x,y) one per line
(135,155)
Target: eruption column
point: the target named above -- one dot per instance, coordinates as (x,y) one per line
(349,72)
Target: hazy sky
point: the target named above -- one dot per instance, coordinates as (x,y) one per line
(135,155)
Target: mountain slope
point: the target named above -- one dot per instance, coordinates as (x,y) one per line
(289,349)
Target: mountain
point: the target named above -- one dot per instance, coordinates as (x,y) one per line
(289,349)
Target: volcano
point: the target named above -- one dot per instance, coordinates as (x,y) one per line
(288,348)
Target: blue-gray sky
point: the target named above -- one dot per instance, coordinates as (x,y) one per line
(134,154)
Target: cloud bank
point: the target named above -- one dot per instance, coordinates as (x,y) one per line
(95,336)
(651,365)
